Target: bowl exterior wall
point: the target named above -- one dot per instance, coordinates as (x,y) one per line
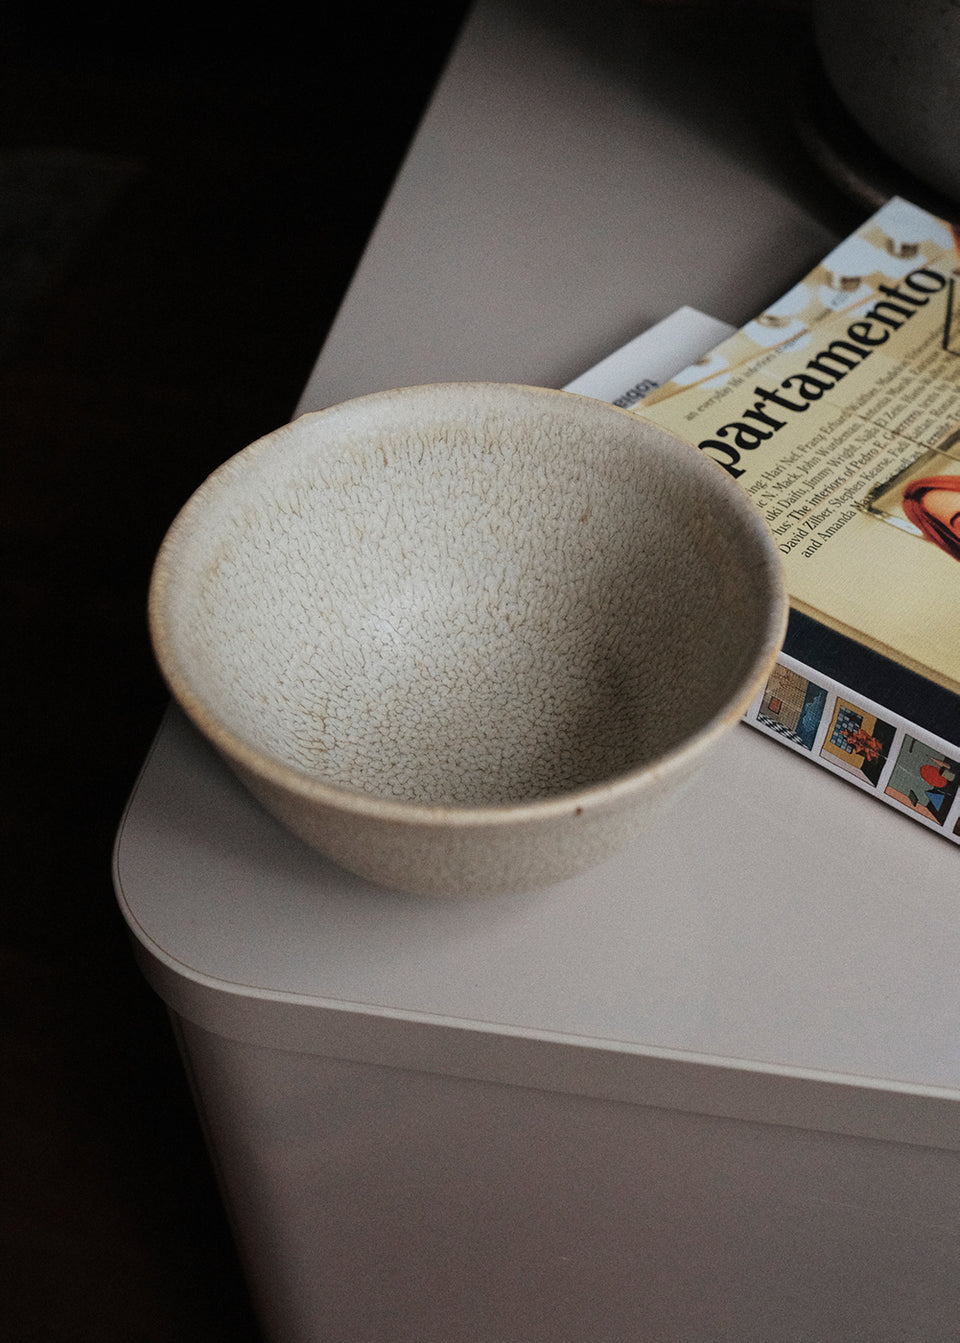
(470,860)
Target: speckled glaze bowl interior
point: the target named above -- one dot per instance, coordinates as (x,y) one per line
(463,638)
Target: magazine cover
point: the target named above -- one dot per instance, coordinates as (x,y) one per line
(838,411)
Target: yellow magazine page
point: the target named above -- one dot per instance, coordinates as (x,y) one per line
(838,411)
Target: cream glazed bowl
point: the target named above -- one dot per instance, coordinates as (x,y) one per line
(466,639)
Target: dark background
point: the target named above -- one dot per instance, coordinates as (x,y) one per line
(181,209)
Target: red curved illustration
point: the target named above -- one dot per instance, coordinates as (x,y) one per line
(933,505)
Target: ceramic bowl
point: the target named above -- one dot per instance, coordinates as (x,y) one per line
(894,66)
(466,638)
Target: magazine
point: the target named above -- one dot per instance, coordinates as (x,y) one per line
(838,411)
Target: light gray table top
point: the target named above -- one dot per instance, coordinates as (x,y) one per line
(579,175)
(779,923)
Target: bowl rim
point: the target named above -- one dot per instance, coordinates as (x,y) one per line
(289,779)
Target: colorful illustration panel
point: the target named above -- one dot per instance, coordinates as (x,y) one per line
(792,706)
(858,742)
(924,780)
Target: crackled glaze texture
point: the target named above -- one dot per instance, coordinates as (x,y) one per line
(462,597)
